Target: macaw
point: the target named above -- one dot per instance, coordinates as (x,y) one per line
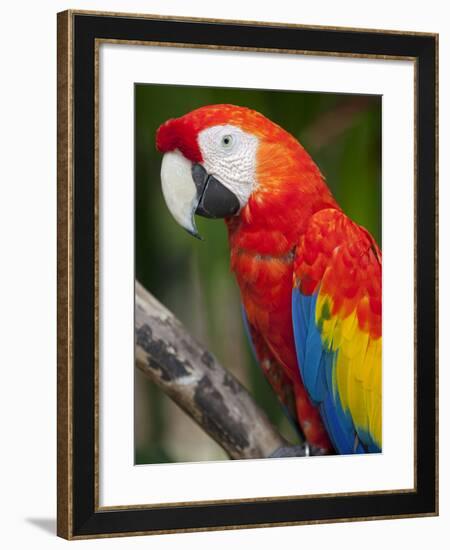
(309,277)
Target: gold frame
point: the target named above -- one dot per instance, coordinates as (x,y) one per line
(65,269)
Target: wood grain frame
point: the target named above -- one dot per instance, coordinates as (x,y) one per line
(79,35)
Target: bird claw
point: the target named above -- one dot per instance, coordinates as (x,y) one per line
(291,451)
(304,449)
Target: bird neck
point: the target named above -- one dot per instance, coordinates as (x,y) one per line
(289,190)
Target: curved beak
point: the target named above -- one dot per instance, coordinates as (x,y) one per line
(189,190)
(179,190)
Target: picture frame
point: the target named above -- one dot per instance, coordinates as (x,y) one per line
(81,514)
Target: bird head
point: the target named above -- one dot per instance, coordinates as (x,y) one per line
(225,161)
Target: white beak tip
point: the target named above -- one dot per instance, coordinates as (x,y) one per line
(195,234)
(179,190)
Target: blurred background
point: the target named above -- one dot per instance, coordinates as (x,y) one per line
(342,133)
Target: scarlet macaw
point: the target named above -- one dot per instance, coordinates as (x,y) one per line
(309,277)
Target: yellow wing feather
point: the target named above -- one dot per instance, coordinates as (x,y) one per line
(357,370)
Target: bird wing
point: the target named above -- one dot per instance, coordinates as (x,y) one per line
(336,314)
(273,372)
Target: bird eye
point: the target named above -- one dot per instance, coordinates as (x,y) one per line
(227,141)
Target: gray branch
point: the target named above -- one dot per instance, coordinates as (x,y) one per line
(192,377)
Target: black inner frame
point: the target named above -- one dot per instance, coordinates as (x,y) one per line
(86,28)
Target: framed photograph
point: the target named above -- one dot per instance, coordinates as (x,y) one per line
(247,282)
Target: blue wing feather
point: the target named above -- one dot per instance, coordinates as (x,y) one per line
(247,332)
(316,364)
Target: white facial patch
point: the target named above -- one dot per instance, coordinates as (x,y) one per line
(229,154)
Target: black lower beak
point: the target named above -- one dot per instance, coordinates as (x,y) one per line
(216,201)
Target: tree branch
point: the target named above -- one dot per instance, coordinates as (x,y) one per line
(192,377)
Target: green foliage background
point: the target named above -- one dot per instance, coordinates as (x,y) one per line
(343,135)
